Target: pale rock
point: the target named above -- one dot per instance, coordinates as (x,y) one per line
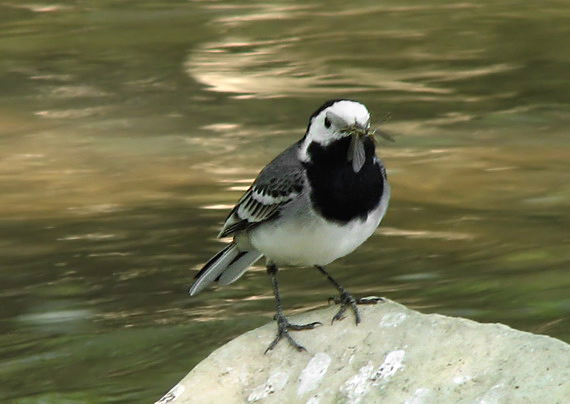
(395,355)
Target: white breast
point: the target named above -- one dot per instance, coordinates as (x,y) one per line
(300,237)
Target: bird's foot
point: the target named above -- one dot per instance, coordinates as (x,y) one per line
(283,327)
(346,300)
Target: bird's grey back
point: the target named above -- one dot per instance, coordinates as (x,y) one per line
(283,175)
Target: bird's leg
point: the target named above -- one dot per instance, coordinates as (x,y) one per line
(283,325)
(346,300)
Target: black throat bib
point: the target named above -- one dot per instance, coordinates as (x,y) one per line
(339,193)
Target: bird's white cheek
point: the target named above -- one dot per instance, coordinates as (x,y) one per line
(303,154)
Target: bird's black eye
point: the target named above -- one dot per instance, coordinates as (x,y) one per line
(327,123)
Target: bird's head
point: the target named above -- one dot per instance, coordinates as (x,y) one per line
(338,120)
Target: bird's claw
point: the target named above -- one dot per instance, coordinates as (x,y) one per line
(283,327)
(347,300)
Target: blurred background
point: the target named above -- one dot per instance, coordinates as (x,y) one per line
(128,129)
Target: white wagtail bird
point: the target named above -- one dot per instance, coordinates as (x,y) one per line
(315,202)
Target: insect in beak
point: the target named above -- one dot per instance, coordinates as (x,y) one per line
(356,153)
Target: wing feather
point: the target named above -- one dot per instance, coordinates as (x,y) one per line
(277,185)
(252,210)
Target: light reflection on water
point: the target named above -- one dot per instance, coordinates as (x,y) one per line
(128,131)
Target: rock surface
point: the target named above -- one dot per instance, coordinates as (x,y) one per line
(395,355)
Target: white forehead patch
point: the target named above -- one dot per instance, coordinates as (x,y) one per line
(350,111)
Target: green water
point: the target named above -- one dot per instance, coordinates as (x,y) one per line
(128,129)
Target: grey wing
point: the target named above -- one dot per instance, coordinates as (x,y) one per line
(278,184)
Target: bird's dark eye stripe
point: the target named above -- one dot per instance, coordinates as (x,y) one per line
(327,123)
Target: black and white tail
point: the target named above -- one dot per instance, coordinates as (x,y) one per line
(225,267)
